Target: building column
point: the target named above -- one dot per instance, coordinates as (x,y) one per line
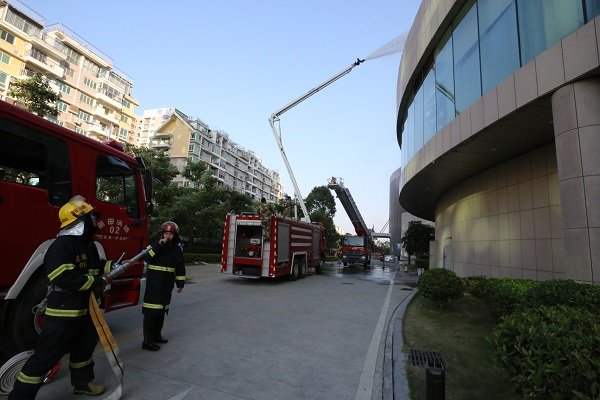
(576,118)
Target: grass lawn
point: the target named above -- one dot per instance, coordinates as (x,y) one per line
(460,334)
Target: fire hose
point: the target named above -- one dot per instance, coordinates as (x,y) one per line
(109,344)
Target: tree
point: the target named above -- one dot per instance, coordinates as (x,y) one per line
(193,171)
(36,95)
(320,198)
(416,239)
(321,208)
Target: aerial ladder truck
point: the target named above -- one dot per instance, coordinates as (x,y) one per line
(255,246)
(356,249)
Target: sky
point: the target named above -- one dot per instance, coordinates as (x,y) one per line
(232,63)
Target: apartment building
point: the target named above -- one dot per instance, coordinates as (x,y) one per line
(96,98)
(188,139)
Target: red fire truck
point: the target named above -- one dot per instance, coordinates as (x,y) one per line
(42,165)
(295,248)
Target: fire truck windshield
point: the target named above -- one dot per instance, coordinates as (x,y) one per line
(354,241)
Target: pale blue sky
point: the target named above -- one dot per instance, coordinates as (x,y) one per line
(233,63)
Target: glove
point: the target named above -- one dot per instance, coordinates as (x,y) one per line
(106,278)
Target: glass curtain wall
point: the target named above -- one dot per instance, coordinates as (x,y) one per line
(488,41)
(467,77)
(499,41)
(444,84)
(544,22)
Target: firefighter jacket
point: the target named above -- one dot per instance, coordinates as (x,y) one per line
(74,268)
(166,268)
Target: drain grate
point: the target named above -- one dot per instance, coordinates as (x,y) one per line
(425,358)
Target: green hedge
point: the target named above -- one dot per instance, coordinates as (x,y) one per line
(551,352)
(441,285)
(505,295)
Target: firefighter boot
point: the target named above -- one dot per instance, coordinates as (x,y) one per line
(90,389)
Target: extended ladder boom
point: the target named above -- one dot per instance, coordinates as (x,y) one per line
(277,131)
(342,192)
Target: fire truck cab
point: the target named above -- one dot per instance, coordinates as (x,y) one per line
(42,165)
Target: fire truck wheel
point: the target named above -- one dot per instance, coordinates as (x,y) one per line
(302,270)
(21,330)
(295,271)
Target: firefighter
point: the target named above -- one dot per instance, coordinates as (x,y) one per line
(166,268)
(265,211)
(72,264)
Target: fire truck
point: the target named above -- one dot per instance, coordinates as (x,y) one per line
(294,249)
(356,249)
(42,165)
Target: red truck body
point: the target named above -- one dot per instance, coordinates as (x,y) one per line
(295,248)
(42,165)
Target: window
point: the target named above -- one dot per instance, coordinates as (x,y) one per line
(84,116)
(84,98)
(124,118)
(444,85)
(542,23)
(429,106)
(30,158)
(22,24)
(592,9)
(7,37)
(63,87)
(89,83)
(116,183)
(123,133)
(467,77)
(3,79)
(5,58)
(61,106)
(498,35)
(91,66)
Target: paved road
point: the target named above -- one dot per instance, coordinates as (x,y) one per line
(323,337)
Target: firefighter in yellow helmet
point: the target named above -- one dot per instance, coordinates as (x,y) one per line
(72,264)
(166,269)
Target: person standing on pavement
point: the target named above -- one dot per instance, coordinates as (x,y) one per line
(166,268)
(72,264)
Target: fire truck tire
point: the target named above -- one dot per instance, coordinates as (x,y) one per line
(302,270)
(21,330)
(319,267)
(295,271)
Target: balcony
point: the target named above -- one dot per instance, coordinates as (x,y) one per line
(160,144)
(49,44)
(97,131)
(102,113)
(108,98)
(42,62)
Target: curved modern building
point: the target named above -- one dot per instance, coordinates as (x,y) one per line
(499,130)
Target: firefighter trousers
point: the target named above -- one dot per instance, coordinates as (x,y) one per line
(76,336)
(153,325)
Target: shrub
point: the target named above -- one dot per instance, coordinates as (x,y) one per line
(551,352)
(504,295)
(441,285)
(565,292)
(476,286)
(422,262)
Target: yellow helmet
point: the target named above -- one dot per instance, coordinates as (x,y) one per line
(76,208)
